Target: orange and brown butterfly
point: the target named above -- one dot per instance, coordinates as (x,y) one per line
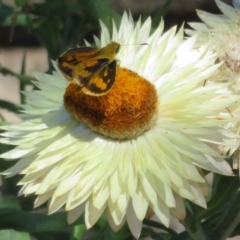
(93,69)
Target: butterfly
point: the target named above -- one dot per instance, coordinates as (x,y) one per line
(93,69)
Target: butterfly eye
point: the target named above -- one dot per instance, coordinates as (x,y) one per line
(117,49)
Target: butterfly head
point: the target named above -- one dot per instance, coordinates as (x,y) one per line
(114,46)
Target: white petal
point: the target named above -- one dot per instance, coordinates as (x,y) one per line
(74,214)
(92,214)
(225,8)
(134,223)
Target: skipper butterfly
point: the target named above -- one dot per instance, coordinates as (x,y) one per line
(93,69)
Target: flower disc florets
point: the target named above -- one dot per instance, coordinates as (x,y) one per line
(125,112)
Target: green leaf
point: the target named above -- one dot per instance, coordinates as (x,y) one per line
(230,185)
(104,12)
(166,7)
(48,30)
(236,231)
(149,232)
(193,228)
(22,84)
(110,234)
(13,235)
(53,8)
(229,220)
(20,3)
(9,202)
(106,233)
(3,123)
(181,236)
(62,235)
(9,106)
(84,20)
(25,79)
(5,11)
(21,20)
(161,13)
(90,13)
(34,222)
(12,16)
(3,148)
(79,231)
(9,185)
(155,224)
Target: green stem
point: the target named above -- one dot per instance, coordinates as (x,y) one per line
(228,222)
(22,96)
(155,224)
(194,229)
(79,231)
(22,84)
(24,79)
(9,106)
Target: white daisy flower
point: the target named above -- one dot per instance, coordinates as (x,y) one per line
(140,147)
(222,33)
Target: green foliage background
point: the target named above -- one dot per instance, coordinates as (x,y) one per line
(60,24)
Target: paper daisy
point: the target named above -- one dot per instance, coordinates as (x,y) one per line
(222,33)
(140,147)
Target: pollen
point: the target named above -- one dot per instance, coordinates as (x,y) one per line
(127,111)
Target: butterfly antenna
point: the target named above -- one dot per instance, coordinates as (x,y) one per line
(142,44)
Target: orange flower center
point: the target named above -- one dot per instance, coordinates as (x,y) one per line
(125,112)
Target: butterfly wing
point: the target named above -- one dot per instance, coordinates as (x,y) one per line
(101,81)
(89,69)
(86,70)
(72,57)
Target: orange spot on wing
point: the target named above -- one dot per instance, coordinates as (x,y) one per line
(98,82)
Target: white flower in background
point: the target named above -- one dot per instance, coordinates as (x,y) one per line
(222,33)
(140,147)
